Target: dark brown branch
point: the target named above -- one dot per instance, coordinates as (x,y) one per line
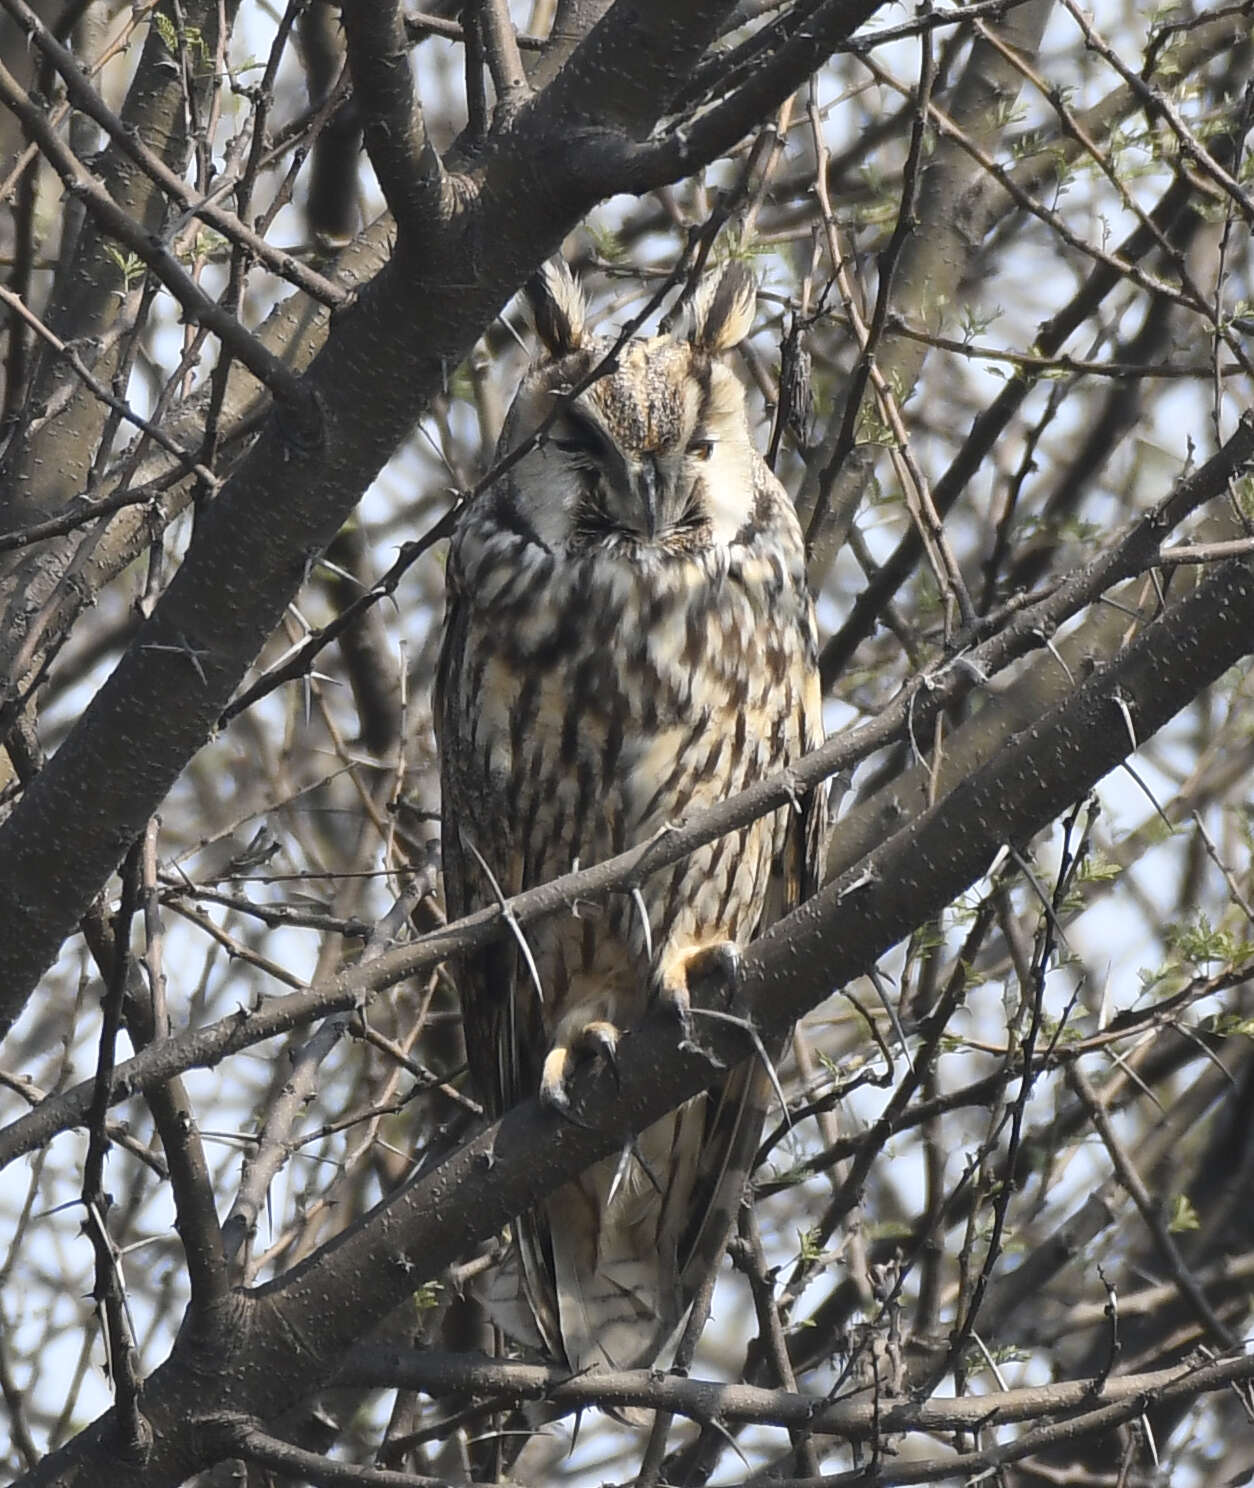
(186,460)
(572,21)
(1157,104)
(249,1440)
(966,1465)
(697,142)
(120,1352)
(990,424)
(420,24)
(332,199)
(190,1180)
(409,169)
(595,88)
(1165,1245)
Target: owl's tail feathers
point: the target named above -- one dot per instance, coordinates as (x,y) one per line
(583,1289)
(501,1293)
(614,1235)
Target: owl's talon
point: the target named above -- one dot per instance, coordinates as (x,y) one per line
(553,1093)
(690,1046)
(677,1003)
(598,1039)
(718,963)
(609,1052)
(553,1077)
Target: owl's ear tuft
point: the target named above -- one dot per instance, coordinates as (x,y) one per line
(722,309)
(558,310)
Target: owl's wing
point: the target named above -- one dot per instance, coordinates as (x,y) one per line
(734,1124)
(517,1294)
(486,976)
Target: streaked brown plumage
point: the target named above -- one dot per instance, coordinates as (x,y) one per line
(629,638)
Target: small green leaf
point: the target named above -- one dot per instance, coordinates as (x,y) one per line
(1183,1216)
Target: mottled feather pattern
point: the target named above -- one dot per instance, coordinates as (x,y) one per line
(629,639)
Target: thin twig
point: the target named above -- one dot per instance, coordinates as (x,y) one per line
(1163,1240)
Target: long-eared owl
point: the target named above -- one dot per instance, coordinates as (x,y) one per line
(629,638)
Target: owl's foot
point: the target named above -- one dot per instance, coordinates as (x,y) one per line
(718,964)
(598,1039)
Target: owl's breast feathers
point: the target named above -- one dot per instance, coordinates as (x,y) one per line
(593,696)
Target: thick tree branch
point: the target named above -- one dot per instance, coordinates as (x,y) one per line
(245,1438)
(439,1374)
(694,143)
(572,21)
(596,88)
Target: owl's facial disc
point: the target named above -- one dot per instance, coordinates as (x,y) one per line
(652,494)
(649,495)
(653,454)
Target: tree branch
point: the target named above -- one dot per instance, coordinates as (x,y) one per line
(406,162)
(693,143)
(505,64)
(437,1374)
(594,87)
(1165,1245)
(84,97)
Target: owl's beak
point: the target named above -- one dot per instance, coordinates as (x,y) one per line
(646,487)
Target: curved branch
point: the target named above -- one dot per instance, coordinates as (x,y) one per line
(439,1374)
(692,144)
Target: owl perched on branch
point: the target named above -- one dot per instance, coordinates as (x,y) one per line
(629,638)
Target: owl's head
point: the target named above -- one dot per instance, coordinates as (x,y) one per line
(656,451)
